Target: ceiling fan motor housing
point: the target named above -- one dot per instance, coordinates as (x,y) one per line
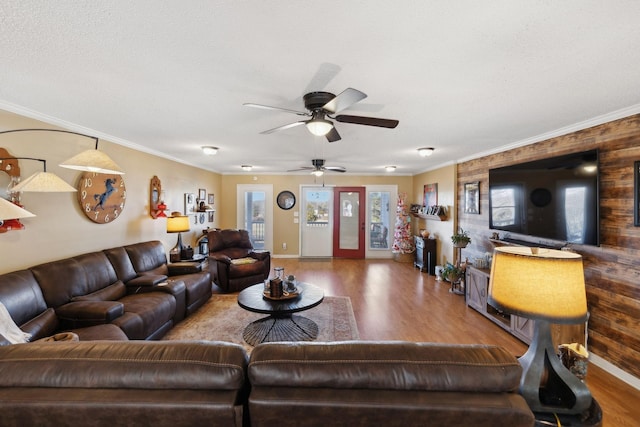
(318,163)
(317,100)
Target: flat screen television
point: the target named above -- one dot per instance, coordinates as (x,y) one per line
(554,198)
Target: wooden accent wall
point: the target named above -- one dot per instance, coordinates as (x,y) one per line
(612,270)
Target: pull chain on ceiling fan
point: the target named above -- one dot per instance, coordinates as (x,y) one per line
(322,105)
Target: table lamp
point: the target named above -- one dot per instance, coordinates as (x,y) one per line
(177,223)
(546,285)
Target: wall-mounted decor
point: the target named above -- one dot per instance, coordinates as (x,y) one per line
(286,200)
(636,193)
(472,197)
(211,199)
(430,195)
(211,216)
(101,196)
(202,194)
(155,198)
(189,203)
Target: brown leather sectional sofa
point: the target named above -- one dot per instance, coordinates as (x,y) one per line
(130,293)
(176,384)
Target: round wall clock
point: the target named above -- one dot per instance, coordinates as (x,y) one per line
(101,196)
(286,200)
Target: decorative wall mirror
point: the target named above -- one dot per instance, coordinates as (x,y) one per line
(155,192)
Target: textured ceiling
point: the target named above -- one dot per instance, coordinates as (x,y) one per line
(465,77)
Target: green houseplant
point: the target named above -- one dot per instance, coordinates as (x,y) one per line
(461,239)
(451,273)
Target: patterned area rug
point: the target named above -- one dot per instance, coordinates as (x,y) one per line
(222,319)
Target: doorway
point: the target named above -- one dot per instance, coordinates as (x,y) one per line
(316,224)
(255,213)
(349,222)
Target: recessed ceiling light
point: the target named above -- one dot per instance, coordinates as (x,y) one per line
(390,168)
(246,168)
(426,151)
(209,150)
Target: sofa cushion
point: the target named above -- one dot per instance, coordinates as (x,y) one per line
(385,366)
(21,294)
(112,292)
(67,278)
(146,313)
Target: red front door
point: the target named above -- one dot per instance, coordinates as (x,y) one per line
(348,222)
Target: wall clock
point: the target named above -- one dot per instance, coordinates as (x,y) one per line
(286,200)
(101,196)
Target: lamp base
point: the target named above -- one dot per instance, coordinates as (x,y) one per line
(546,384)
(592,417)
(175,254)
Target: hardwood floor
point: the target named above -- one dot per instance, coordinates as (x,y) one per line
(394,301)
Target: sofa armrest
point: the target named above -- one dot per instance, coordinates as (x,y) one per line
(185,267)
(145,280)
(88,313)
(260,256)
(221,258)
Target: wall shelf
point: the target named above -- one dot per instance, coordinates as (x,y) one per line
(430,217)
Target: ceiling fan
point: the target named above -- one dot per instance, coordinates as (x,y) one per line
(319,168)
(323,105)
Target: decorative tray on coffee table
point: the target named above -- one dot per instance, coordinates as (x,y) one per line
(285,295)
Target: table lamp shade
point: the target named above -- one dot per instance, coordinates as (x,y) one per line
(177,224)
(548,284)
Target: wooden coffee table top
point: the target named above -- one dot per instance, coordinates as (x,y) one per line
(252,299)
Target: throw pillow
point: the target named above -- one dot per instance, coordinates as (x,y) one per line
(9,329)
(240,261)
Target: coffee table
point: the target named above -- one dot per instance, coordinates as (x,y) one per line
(281,324)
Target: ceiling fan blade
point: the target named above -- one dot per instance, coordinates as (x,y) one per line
(335,168)
(368,121)
(344,100)
(333,135)
(289,126)
(268,107)
(304,168)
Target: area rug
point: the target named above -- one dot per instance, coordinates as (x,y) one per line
(222,319)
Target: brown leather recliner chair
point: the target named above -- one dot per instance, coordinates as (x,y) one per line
(232,262)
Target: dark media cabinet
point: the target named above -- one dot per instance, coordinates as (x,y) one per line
(425,255)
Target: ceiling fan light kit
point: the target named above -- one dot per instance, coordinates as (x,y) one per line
(425,151)
(319,127)
(209,150)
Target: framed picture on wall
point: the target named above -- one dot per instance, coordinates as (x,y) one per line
(430,195)
(189,203)
(211,199)
(202,194)
(472,197)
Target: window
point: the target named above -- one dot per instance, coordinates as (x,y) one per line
(505,206)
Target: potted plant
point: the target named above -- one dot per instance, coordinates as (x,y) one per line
(461,239)
(451,273)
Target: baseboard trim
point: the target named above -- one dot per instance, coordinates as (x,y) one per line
(615,371)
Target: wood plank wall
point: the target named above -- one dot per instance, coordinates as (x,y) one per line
(612,270)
